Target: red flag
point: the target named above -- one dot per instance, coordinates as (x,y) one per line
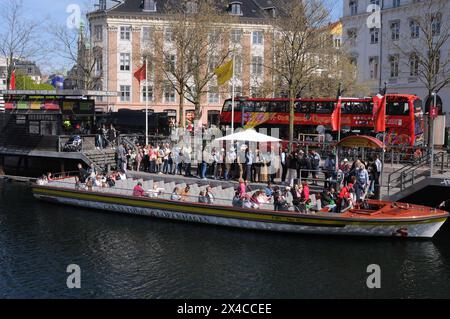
(336,117)
(141,74)
(12,81)
(379,113)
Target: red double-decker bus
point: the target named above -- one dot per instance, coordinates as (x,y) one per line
(404,116)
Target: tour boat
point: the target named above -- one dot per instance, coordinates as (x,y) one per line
(378,218)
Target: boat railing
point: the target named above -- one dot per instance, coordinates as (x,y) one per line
(70,182)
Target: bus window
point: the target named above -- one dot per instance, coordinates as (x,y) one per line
(249,106)
(397,108)
(305,107)
(261,107)
(278,107)
(357,108)
(227,106)
(324,107)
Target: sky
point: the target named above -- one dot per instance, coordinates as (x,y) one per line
(52,12)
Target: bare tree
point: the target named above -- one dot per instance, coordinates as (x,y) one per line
(336,68)
(19,37)
(195,42)
(74,46)
(299,38)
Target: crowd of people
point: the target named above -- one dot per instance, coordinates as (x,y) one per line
(343,185)
(214,163)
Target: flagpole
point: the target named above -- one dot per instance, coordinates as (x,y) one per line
(233,93)
(146,101)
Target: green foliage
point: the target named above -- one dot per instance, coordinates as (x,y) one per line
(24,82)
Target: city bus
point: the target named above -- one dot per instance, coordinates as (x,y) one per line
(404,116)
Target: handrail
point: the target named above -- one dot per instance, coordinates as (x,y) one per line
(407,174)
(131,190)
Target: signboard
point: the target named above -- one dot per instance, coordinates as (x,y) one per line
(434,112)
(439,130)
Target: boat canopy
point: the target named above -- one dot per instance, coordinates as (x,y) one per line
(361,141)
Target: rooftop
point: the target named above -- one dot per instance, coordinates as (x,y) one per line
(251,9)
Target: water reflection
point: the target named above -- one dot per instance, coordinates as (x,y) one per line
(136,257)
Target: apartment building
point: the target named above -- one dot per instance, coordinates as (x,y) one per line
(381,54)
(120,31)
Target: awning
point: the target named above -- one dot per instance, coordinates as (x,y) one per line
(249,136)
(360,141)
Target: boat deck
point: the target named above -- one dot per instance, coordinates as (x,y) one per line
(373,210)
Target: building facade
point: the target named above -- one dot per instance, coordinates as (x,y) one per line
(381,54)
(28,68)
(121,30)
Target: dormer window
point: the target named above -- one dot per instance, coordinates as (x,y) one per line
(271,12)
(236,8)
(191,7)
(149,6)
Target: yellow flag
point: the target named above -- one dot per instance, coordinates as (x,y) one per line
(224,73)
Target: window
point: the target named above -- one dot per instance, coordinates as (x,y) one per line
(373,65)
(395,30)
(396,3)
(357,107)
(99,65)
(144,90)
(436,24)
(353,7)
(352,34)
(98,33)
(237,90)
(397,108)
(213,117)
(214,37)
(337,43)
(393,61)
(170,61)
(235,8)
(236,35)
(147,33)
(168,35)
(125,93)
(374,33)
(238,65)
(213,95)
(414,28)
(125,62)
(150,5)
(257,65)
(255,92)
(213,63)
(125,33)
(257,37)
(169,93)
(191,7)
(413,65)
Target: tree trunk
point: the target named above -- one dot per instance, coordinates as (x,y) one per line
(181,108)
(429,122)
(198,110)
(291,118)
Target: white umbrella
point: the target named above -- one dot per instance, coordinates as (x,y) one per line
(249,136)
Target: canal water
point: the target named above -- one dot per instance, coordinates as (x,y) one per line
(134,257)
